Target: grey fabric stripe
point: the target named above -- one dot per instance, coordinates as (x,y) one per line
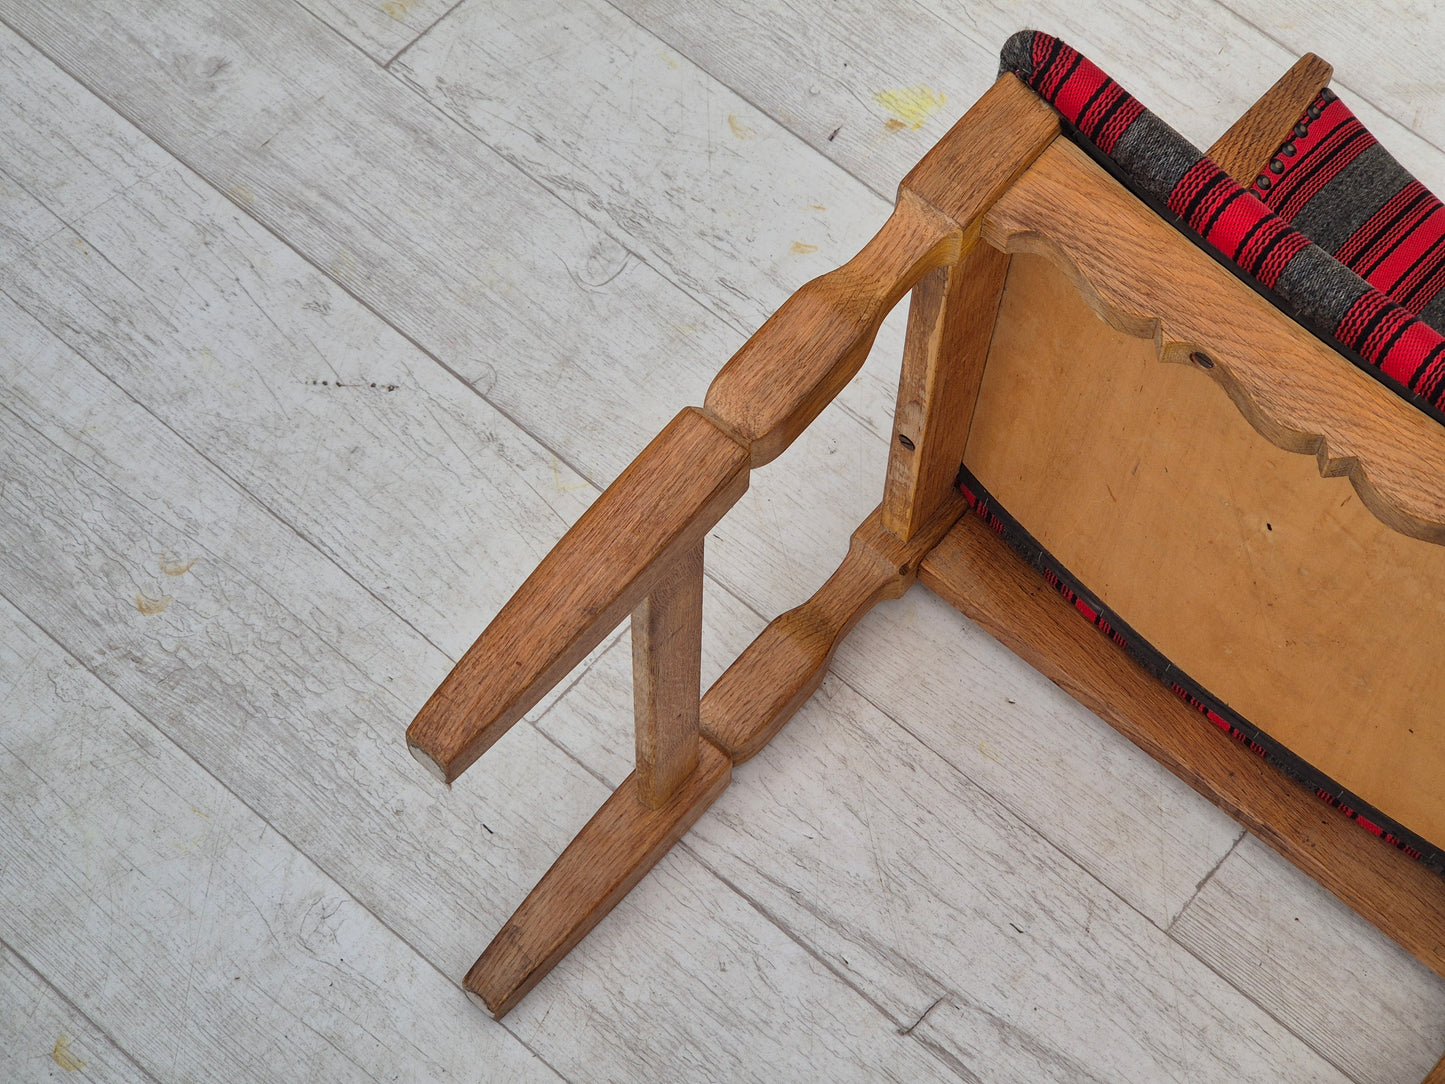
(1320,288)
(1434,313)
(1017,54)
(1155,155)
(1352,196)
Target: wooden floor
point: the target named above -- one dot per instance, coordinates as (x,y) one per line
(319,321)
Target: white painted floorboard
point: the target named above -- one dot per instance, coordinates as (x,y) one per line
(319,322)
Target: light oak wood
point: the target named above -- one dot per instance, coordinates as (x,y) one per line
(1437,1074)
(950,323)
(1274,589)
(657,511)
(610,855)
(778,671)
(797,362)
(666,679)
(805,353)
(975,571)
(1138,273)
(1245,149)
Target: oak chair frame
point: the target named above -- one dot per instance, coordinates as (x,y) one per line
(1003,180)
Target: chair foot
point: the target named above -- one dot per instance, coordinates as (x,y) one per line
(615,849)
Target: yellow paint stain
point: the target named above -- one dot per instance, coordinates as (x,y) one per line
(802,248)
(911,107)
(397,9)
(988,750)
(817,207)
(242,194)
(62,1056)
(893,124)
(152,606)
(176,567)
(741,130)
(669,60)
(557,480)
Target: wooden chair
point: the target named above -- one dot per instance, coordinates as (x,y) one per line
(1170,503)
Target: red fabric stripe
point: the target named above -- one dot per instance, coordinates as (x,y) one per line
(1385,227)
(1408,351)
(1335,140)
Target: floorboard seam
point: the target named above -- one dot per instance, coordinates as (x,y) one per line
(314,863)
(66,998)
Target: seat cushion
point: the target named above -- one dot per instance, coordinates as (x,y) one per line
(1337,182)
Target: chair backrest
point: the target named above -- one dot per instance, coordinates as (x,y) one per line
(1306,615)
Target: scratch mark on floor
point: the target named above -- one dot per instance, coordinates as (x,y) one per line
(909,1029)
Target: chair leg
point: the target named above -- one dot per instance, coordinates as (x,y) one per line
(666,674)
(777,672)
(615,849)
(750,703)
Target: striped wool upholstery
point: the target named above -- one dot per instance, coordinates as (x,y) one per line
(1332,159)
(1335,183)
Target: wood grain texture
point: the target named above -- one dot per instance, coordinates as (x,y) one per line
(1316,964)
(1145,279)
(813,345)
(1245,149)
(778,671)
(658,511)
(268,656)
(1437,1074)
(615,850)
(807,351)
(1221,549)
(976,572)
(984,153)
(950,323)
(380,28)
(667,679)
(686,978)
(887,860)
(825,70)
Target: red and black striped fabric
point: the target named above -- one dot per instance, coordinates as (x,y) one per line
(1393,234)
(1335,183)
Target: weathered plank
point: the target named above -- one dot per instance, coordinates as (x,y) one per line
(193,933)
(713,193)
(380,28)
(822,68)
(40,1030)
(174,245)
(1366,1004)
(493,276)
(270,666)
(916,885)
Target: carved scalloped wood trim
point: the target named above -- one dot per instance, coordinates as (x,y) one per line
(1145,279)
